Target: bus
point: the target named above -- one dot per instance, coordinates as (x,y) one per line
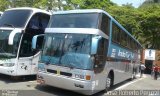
(17,27)
(86,51)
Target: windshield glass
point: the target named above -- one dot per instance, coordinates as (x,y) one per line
(70,50)
(78,20)
(15,18)
(8,51)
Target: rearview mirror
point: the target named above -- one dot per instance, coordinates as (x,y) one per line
(94,45)
(37,41)
(12,34)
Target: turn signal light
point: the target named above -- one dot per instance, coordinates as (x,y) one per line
(88,77)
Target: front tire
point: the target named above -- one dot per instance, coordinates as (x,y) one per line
(109,82)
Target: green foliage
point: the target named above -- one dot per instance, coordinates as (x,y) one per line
(142,22)
(97,4)
(4,4)
(151,25)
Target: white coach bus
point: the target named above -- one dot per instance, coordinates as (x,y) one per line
(17,27)
(86,51)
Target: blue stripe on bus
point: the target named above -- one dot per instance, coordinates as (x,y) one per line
(118,52)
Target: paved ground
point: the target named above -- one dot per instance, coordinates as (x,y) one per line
(29,87)
(146,83)
(145,86)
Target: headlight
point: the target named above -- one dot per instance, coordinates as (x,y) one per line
(84,77)
(79,76)
(8,64)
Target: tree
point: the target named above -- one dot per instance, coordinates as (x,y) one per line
(4,4)
(97,4)
(151,26)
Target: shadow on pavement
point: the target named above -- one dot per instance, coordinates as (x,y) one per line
(61,92)
(15,79)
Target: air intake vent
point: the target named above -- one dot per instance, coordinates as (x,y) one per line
(66,74)
(52,71)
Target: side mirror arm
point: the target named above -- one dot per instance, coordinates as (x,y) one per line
(12,34)
(34,40)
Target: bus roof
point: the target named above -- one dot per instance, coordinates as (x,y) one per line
(96,11)
(35,10)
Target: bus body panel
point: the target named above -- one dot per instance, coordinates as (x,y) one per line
(121,71)
(53,76)
(66,83)
(24,66)
(8,70)
(34,67)
(28,65)
(120,53)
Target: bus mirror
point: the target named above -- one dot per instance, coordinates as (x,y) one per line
(94,45)
(37,41)
(12,34)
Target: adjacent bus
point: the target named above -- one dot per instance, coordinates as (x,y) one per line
(86,51)
(17,27)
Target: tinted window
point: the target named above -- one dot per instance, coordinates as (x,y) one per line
(26,49)
(101,56)
(44,19)
(39,21)
(116,36)
(88,20)
(8,51)
(34,22)
(105,24)
(15,18)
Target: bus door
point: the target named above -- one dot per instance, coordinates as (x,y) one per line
(28,58)
(100,61)
(25,55)
(28,65)
(24,66)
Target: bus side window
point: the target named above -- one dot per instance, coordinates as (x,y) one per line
(105,24)
(100,58)
(34,22)
(44,19)
(26,50)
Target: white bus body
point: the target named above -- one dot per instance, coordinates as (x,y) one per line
(17,27)
(79,55)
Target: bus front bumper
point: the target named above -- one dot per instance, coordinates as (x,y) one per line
(7,71)
(79,86)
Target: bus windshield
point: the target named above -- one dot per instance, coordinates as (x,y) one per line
(69,50)
(8,51)
(15,18)
(78,20)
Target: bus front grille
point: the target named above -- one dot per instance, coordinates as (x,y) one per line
(66,74)
(52,71)
(60,73)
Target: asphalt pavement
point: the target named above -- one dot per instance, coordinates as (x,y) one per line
(145,86)
(141,86)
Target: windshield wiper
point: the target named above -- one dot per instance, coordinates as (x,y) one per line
(9,25)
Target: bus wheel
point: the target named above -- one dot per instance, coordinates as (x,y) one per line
(109,82)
